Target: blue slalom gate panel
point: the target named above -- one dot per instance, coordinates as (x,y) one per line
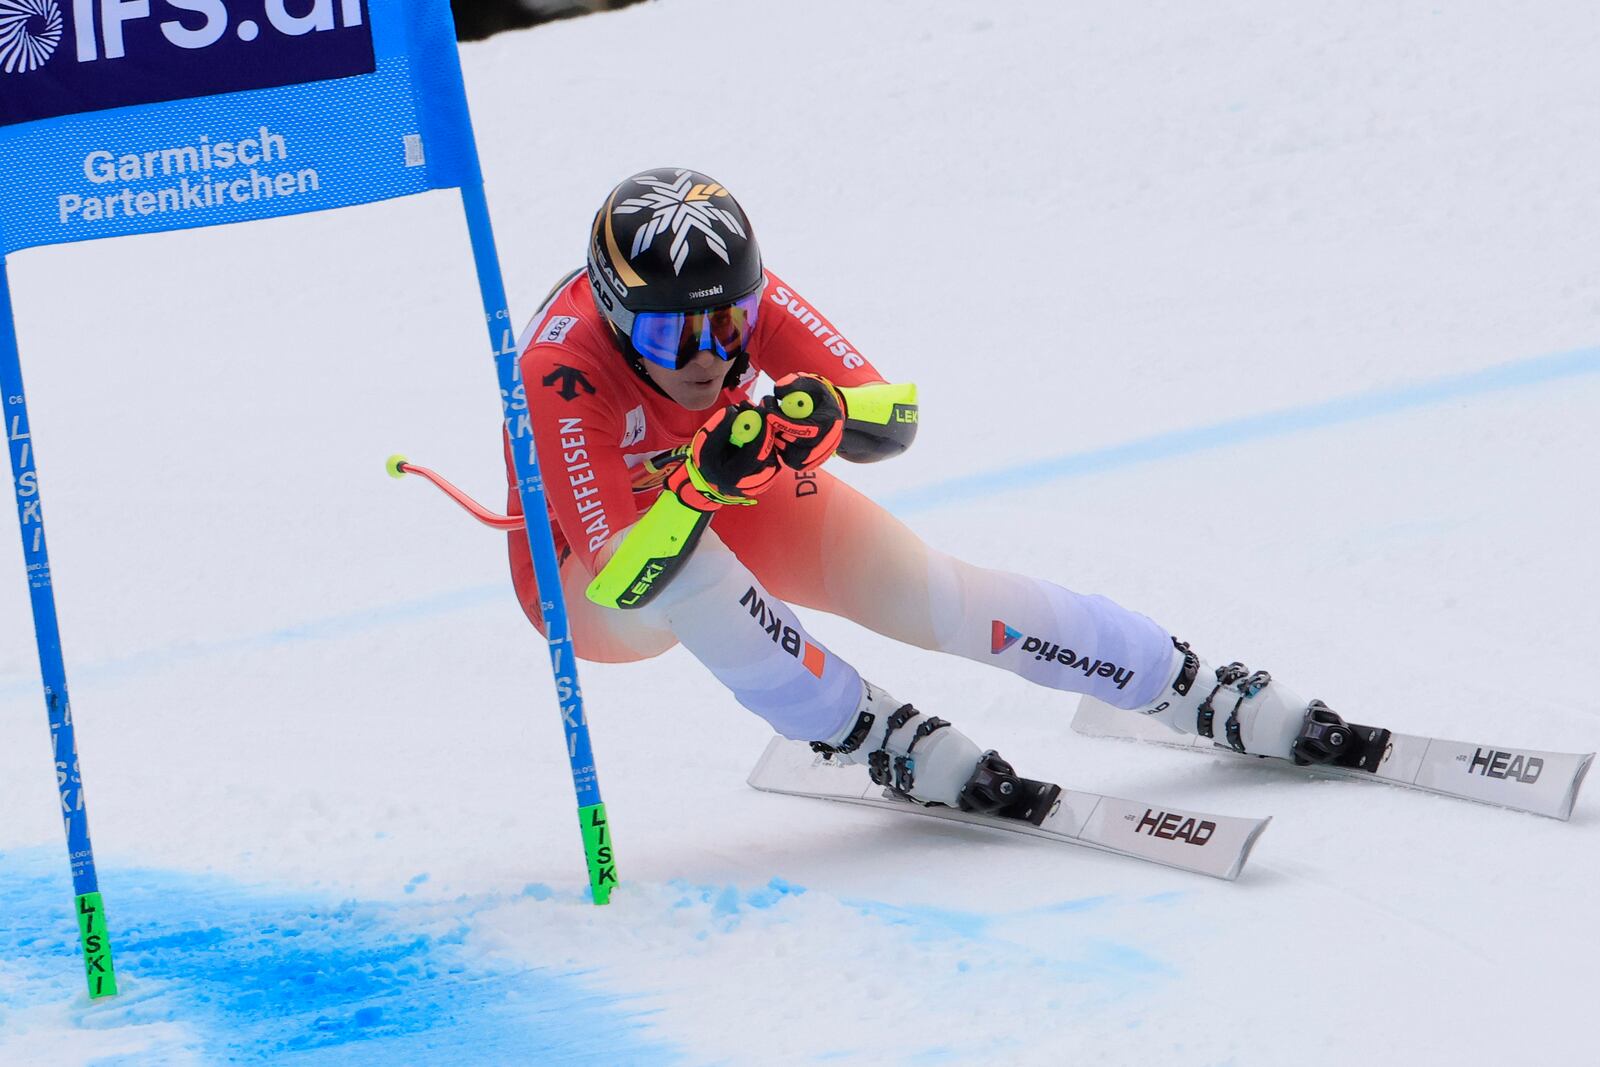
(349,103)
(137,116)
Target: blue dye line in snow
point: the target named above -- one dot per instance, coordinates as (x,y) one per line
(1096,957)
(1250,428)
(334,626)
(928,922)
(1373,404)
(252,975)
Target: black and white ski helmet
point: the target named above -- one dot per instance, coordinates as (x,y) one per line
(670,239)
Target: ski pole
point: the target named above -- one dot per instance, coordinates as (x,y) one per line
(398,467)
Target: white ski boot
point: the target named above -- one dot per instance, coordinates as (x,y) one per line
(927,761)
(1251,713)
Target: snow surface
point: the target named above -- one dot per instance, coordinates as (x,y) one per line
(331,807)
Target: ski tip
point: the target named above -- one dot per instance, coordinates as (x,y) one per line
(396,465)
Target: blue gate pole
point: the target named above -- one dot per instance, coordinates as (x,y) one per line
(92,934)
(547,573)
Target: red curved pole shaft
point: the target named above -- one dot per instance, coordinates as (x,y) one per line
(475,509)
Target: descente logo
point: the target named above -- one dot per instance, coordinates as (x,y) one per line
(1003,636)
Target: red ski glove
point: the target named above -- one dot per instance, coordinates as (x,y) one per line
(732,458)
(807,417)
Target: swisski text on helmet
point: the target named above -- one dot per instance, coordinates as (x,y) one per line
(819,328)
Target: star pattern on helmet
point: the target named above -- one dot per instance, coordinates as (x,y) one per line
(683,208)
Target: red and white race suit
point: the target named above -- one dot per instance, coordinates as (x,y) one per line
(810,540)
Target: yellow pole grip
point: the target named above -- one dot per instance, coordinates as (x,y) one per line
(746,428)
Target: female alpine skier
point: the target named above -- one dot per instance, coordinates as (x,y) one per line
(685,511)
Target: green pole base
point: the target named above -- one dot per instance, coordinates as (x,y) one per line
(597,849)
(96,947)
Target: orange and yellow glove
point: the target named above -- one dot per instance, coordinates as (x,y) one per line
(812,419)
(732,459)
(806,413)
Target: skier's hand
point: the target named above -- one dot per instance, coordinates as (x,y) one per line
(807,416)
(732,458)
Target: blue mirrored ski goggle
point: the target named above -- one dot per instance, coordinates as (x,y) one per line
(672,338)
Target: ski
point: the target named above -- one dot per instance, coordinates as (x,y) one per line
(1541,783)
(1215,845)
